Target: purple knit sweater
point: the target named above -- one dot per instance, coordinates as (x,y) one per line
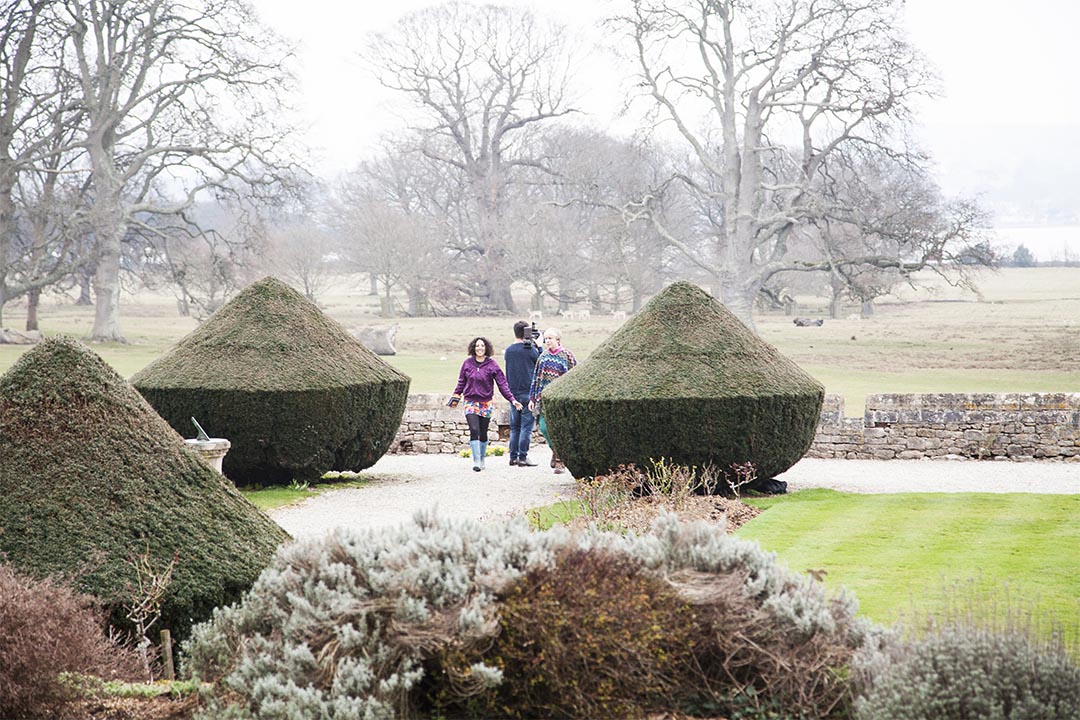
(477,382)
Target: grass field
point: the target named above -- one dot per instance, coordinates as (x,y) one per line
(899,551)
(1021,334)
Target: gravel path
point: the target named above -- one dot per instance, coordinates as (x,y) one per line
(448,483)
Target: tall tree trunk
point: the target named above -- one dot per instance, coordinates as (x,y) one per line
(867,309)
(32,302)
(107,220)
(738,292)
(374,284)
(500,296)
(85,296)
(836,305)
(418,303)
(107,295)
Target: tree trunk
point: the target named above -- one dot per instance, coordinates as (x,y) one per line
(106,327)
(536,301)
(635,303)
(594,299)
(374,285)
(867,309)
(418,303)
(108,222)
(32,302)
(501,297)
(85,297)
(107,297)
(738,293)
(386,303)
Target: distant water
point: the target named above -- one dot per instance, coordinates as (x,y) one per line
(1046,242)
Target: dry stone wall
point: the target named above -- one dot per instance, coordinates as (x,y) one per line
(979,426)
(429,426)
(1012,426)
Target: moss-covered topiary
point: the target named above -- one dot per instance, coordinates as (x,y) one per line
(292,390)
(687,381)
(91,477)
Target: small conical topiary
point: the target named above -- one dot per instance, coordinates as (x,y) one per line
(686,381)
(294,392)
(91,478)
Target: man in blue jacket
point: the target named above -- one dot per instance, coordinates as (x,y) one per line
(519,361)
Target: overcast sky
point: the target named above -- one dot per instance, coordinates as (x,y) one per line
(1002,67)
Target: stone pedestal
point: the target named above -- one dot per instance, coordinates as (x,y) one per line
(212,450)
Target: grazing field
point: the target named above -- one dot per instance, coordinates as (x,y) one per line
(1021,333)
(899,551)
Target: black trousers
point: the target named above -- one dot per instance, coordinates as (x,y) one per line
(478,427)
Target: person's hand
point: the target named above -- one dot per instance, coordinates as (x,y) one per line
(532,406)
(518,405)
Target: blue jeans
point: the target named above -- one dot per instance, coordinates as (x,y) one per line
(521,427)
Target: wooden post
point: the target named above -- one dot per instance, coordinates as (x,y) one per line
(166,655)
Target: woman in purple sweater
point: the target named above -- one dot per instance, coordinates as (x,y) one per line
(476,383)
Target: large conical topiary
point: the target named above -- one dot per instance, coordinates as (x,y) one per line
(293,391)
(683,380)
(91,477)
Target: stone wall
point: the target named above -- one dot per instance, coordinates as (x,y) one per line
(979,426)
(429,426)
(1013,426)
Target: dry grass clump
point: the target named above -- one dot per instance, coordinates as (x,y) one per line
(630,499)
(48,630)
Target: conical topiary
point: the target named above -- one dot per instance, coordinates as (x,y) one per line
(293,391)
(91,477)
(683,380)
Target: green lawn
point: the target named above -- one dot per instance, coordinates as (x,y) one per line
(894,551)
(271,498)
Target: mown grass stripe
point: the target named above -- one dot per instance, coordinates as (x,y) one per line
(893,550)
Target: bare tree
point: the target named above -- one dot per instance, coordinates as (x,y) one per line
(36,116)
(180,98)
(485,78)
(786,85)
(885,220)
(205,254)
(302,253)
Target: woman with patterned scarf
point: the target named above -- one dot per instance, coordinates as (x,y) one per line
(555,362)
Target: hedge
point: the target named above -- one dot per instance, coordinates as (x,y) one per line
(92,477)
(291,389)
(687,381)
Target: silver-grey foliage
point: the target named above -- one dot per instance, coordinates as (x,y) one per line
(338,627)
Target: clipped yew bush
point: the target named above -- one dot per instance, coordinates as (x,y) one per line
(91,477)
(291,389)
(449,619)
(687,381)
(47,629)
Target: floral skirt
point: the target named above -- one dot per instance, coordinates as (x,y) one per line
(478,407)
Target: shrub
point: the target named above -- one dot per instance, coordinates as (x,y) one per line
(592,636)
(91,477)
(399,622)
(47,629)
(689,383)
(978,657)
(291,389)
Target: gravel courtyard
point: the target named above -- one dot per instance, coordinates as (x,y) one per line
(448,484)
